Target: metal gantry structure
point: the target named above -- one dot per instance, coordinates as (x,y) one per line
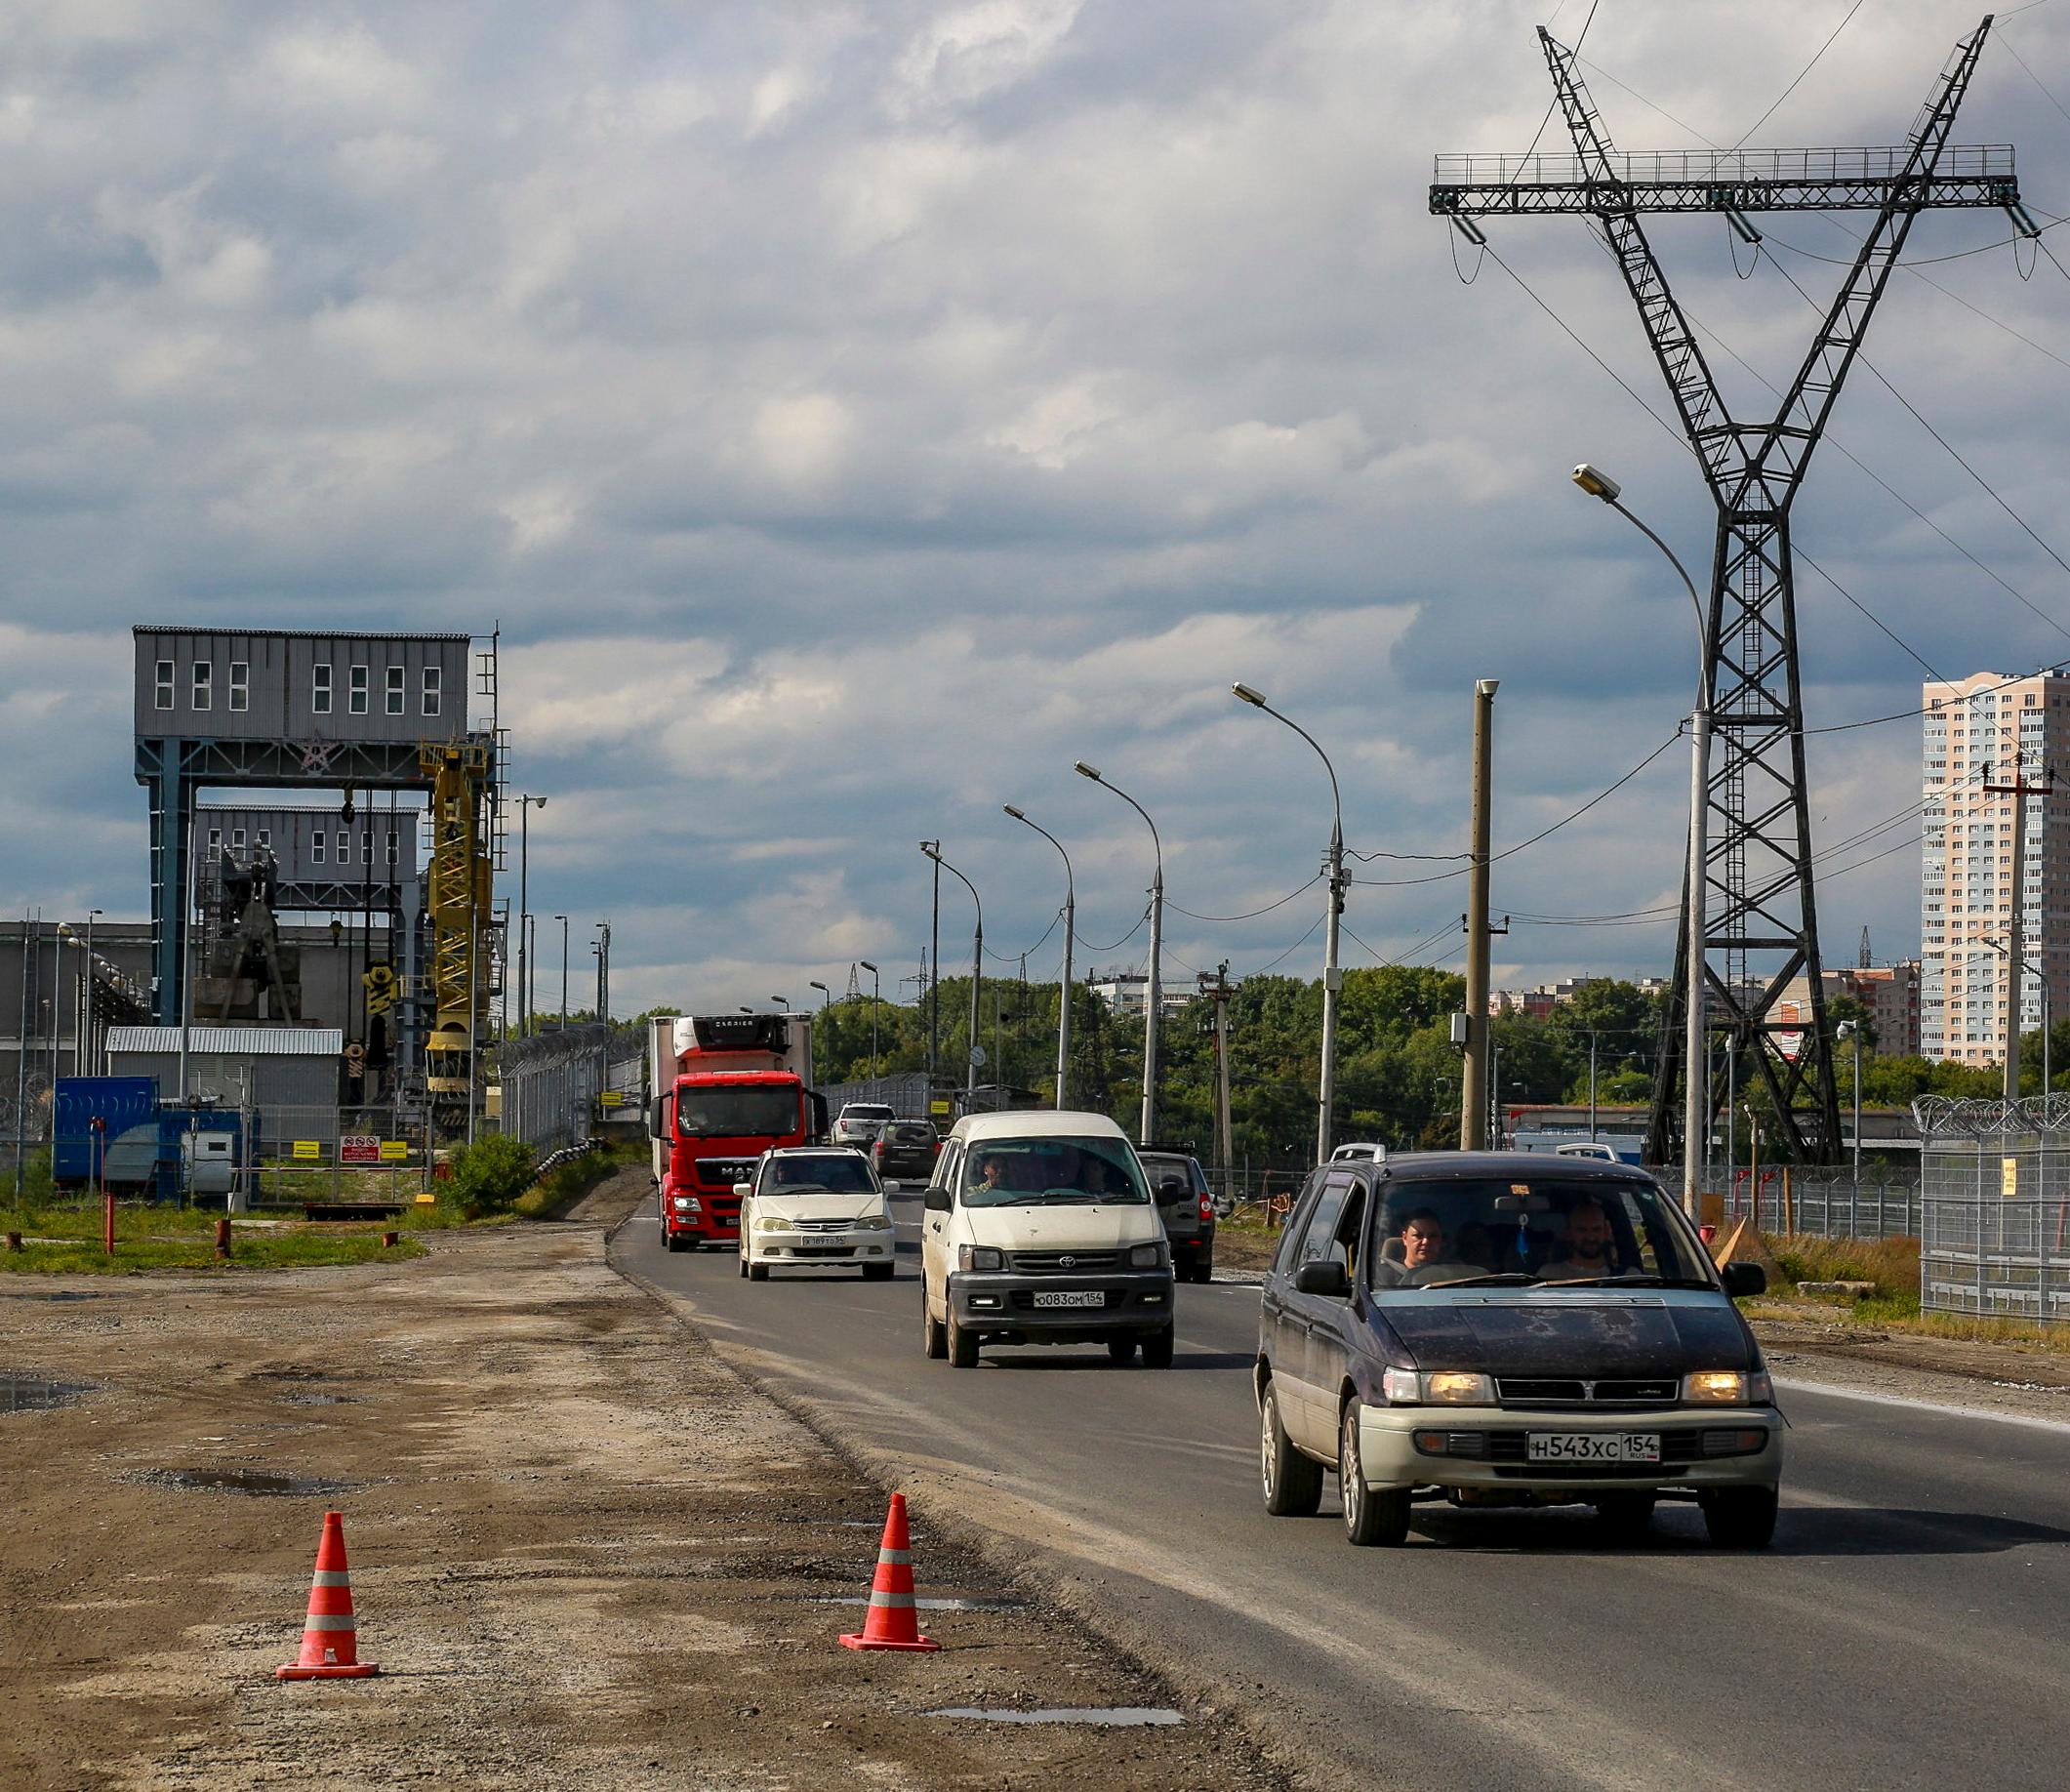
(1761,929)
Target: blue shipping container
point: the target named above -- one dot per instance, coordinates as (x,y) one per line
(120,1103)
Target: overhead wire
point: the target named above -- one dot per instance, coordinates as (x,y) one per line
(1800,73)
(1252,913)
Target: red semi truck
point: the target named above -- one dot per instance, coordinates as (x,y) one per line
(725,1089)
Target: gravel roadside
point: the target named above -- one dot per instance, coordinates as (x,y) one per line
(583,1550)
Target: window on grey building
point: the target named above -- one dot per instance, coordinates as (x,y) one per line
(366,846)
(164,699)
(236,839)
(433,689)
(204,682)
(240,685)
(316,846)
(265,839)
(395,690)
(344,847)
(356,702)
(320,690)
(394,853)
(214,842)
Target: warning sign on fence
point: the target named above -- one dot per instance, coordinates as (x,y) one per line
(359,1148)
(308,1151)
(395,1151)
(613,1098)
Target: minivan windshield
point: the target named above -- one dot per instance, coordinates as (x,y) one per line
(1519,1232)
(1052,1172)
(840,1172)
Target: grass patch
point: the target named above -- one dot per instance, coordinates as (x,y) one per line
(552,1195)
(1893,1266)
(272,1248)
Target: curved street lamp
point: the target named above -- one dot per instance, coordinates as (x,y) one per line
(1695,1109)
(1157,945)
(1332,977)
(877,995)
(1071,909)
(933,849)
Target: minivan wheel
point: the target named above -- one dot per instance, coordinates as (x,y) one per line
(1156,1349)
(1371,1515)
(962,1346)
(1122,1350)
(1740,1518)
(758,1271)
(1293,1485)
(1627,1517)
(744,1266)
(936,1336)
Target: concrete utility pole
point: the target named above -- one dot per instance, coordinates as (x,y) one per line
(1070,915)
(1215,986)
(933,849)
(2020,790)
(1154,1004)
(1474,1093)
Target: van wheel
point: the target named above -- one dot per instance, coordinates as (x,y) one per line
(1371,1515)
(962,1346)
(1627,1517)
(1293,1485)
(1156,1349)
(1740,1518)
(932,1331)
(1122,1350)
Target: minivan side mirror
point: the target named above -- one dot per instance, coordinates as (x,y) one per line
(936,1199)
(1325,1275)
(1744,1279)
(744,1188)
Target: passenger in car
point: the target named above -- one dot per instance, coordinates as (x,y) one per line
(1587,1251)
(1423,1259)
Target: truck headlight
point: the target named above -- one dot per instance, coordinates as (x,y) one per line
(1405,1387)
(979,1257)
(1727,1388)
(1147,1256)
(685,1204)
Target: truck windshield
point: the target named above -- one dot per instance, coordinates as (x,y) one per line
(1039,1173)
(736,1114)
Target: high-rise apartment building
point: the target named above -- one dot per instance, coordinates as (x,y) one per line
(1986,730)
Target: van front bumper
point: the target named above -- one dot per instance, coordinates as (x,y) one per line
(1489,1448)
(1133,1303)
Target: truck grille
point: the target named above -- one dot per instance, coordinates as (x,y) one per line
(1065,1262)
(725,1172)
(1563,1392)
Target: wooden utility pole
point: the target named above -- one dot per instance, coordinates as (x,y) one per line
(2020,790)
(1474,1092)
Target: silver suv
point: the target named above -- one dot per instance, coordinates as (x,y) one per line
(859,1121)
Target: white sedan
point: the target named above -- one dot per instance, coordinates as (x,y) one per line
(815,1206)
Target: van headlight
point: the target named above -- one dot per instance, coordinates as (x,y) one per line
(979,1257)
(1147,1256)
(1727,1388)
(1406,1387)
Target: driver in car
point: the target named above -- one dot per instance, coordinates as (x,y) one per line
(1588,1250)
(1424,1257)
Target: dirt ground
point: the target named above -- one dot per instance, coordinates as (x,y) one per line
(585,1553)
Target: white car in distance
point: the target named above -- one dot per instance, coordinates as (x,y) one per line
(815,1206)
(860,1122)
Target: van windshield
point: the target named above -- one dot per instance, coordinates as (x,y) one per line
(1053,1173)
(1537,1230)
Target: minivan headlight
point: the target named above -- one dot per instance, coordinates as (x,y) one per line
(1727,1388)
(1406,1387)
(1147,1256)
(770,1223)
(979,1257)
(873,1222)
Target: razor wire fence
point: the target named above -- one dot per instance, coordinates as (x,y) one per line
(1996,1208)
(553,1084)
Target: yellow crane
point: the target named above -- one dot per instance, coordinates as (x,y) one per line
(459,900)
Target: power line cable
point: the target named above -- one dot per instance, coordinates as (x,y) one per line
(1126,937)
(1807,69)
(1252,913)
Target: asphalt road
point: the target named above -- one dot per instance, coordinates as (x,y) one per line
(1910,1627)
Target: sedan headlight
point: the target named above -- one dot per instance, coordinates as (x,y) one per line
(979,1257)
(1147,1256)
(873,1222)
(1405,1387)
(1730,1387)
(770,1223)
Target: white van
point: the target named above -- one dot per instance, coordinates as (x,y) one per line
(1039,1229)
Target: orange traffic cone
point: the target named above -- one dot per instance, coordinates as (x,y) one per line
(330,1641)
(892,1622)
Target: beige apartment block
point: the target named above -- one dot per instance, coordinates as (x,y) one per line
(1988,729)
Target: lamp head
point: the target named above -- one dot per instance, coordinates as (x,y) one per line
(1597,483)
(815,984)
(1244,694)
(1086,771)
(867,965)
(1012,811)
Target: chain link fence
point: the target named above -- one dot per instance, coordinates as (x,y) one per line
(554,1085)
(1996,1208)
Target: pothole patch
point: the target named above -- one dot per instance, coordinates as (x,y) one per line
(248,1481)
(32,1390)
(1102,1717)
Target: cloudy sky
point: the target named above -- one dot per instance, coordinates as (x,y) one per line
(852,413)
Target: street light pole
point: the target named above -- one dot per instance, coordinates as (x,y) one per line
(1071,911)
(1151,1012)
(1695,1110)
(525,806)
(876,995)
(933,849)
(563,920)
(1333,910)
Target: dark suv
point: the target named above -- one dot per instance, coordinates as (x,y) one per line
(906,1147)
(1506,1330)
(1187,1207)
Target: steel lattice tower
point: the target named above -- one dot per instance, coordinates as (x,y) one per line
(1760,928)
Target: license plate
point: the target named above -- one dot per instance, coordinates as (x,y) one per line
(1593,1446)
(1090,1297)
